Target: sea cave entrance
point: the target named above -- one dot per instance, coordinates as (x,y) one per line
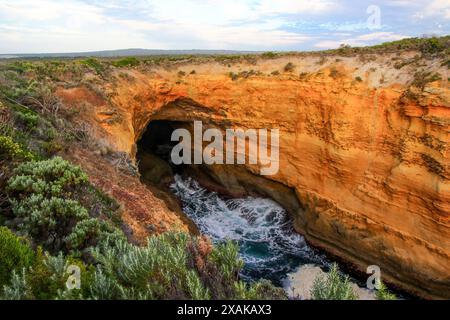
(226,202)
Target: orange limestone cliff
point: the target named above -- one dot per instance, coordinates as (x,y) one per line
(364,147)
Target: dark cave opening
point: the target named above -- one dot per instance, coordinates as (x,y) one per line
(153,153)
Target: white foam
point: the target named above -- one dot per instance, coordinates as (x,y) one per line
(259,225)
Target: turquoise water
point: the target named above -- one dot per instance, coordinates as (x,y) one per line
(268,243)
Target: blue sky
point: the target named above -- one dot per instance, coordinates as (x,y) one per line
(85,25)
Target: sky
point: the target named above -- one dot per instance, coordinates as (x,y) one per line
(38,26)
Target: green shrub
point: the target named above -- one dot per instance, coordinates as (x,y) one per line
(269,55)
(126,62)
(45,198)
(172,266)
(28,118)
(384,294)
(9,149)
(15,254)
(359,79)
(332,286)
(47,278)
(94,64)
(51,178)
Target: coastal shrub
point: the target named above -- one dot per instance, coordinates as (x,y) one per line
(11,150)
(269,55)
(45,200)
(383,293)
(47,278)
(126,62)
(28,118)
(94,64)
(172,266)
(332,286)
(15,254)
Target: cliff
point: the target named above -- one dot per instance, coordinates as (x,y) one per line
(364,146)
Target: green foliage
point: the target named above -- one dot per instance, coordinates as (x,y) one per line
(46,279)
(359,79)
(51,178)
(15,254)
(27,117)
(94,64)
(45,197)
(172,266)
(126,62)
(11,150)
(332,286)
(269,55)
(427,46)
(384,294)
(226,256)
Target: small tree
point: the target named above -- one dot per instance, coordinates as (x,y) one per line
(333,286)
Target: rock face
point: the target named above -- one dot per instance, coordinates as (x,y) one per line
(366,154)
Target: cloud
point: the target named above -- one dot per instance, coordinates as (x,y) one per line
(271,7)
(361,40)
(435,8)
(85,25)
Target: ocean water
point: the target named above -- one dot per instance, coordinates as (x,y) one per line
(268,243)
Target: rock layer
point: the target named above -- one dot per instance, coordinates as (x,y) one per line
(365,153)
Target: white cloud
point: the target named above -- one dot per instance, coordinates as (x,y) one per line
(435,8)
(71,25)
(296,6)
(361,40)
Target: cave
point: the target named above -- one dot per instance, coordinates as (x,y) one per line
(226,182)
(231,181)
(153,153)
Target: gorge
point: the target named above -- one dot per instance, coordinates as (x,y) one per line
(363,150)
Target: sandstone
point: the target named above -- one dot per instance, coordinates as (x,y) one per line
(368,164)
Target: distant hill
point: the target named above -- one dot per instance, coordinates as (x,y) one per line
(121,53)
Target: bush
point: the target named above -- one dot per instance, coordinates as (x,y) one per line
(269,55)
(28,118)
(50,178)
(126,62)
(94,64)
(15,254)
(47,278)
(384,294)
(11,150)
(173,266)
(333,286)
(45,200)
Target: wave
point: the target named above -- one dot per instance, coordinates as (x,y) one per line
(268,243)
